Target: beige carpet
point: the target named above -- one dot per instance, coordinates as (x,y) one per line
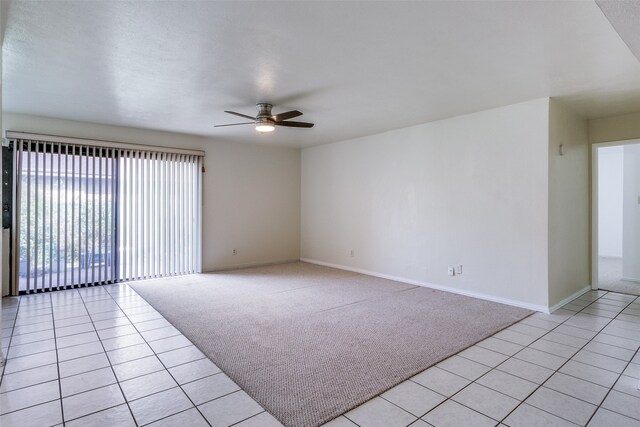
(310,342)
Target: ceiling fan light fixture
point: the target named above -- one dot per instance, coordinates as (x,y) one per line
(265,122)
(264,125)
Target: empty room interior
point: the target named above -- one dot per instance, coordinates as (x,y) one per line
(320,213)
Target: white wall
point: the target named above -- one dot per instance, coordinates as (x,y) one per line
(251,193)
(616,128)
(610,179)
(569,208)
(631,213)
(470,190)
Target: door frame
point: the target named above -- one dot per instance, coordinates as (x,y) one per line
(594,203)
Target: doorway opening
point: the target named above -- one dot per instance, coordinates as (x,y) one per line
(617,217)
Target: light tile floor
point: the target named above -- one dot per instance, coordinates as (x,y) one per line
(610,277)
(102,356)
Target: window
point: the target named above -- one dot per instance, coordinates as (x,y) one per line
(90,214)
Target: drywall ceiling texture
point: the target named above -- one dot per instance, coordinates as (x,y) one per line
(251,193)
(470,190)
(624,15)
(354,68)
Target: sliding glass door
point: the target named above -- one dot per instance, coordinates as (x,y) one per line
(158,215)
(89,215)
(65,215)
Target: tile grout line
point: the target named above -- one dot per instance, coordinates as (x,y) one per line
(167,416)
(90,389)
(613,385)
(496,367)
(609,392)
(34,405)
(80,333)
(55,342)
(400,407)
(25,370)
(6,360)
(450,398)
(112,371)
(178,386)
(148,373)
(97,369)
(252,416)
(61,348)
(624,392)
(350,420)
(560,367)
(557,370)
(156,354)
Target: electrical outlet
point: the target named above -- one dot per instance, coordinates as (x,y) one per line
(451,271)
(353,253)
(235,252)
(458,269)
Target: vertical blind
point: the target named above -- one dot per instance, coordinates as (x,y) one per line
(87,214)
(158,213)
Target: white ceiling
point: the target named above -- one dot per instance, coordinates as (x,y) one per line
(353,68)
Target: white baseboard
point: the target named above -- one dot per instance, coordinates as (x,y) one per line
(249,265)
(570,298)
(630,279)
(478,295)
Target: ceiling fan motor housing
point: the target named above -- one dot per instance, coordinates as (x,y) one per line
(264,119)
(264,116)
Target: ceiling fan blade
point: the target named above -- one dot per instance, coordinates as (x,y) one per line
(287,115)
(240,115)
(234,124)
(295,124)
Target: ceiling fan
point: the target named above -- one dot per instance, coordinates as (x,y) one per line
(267,122)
